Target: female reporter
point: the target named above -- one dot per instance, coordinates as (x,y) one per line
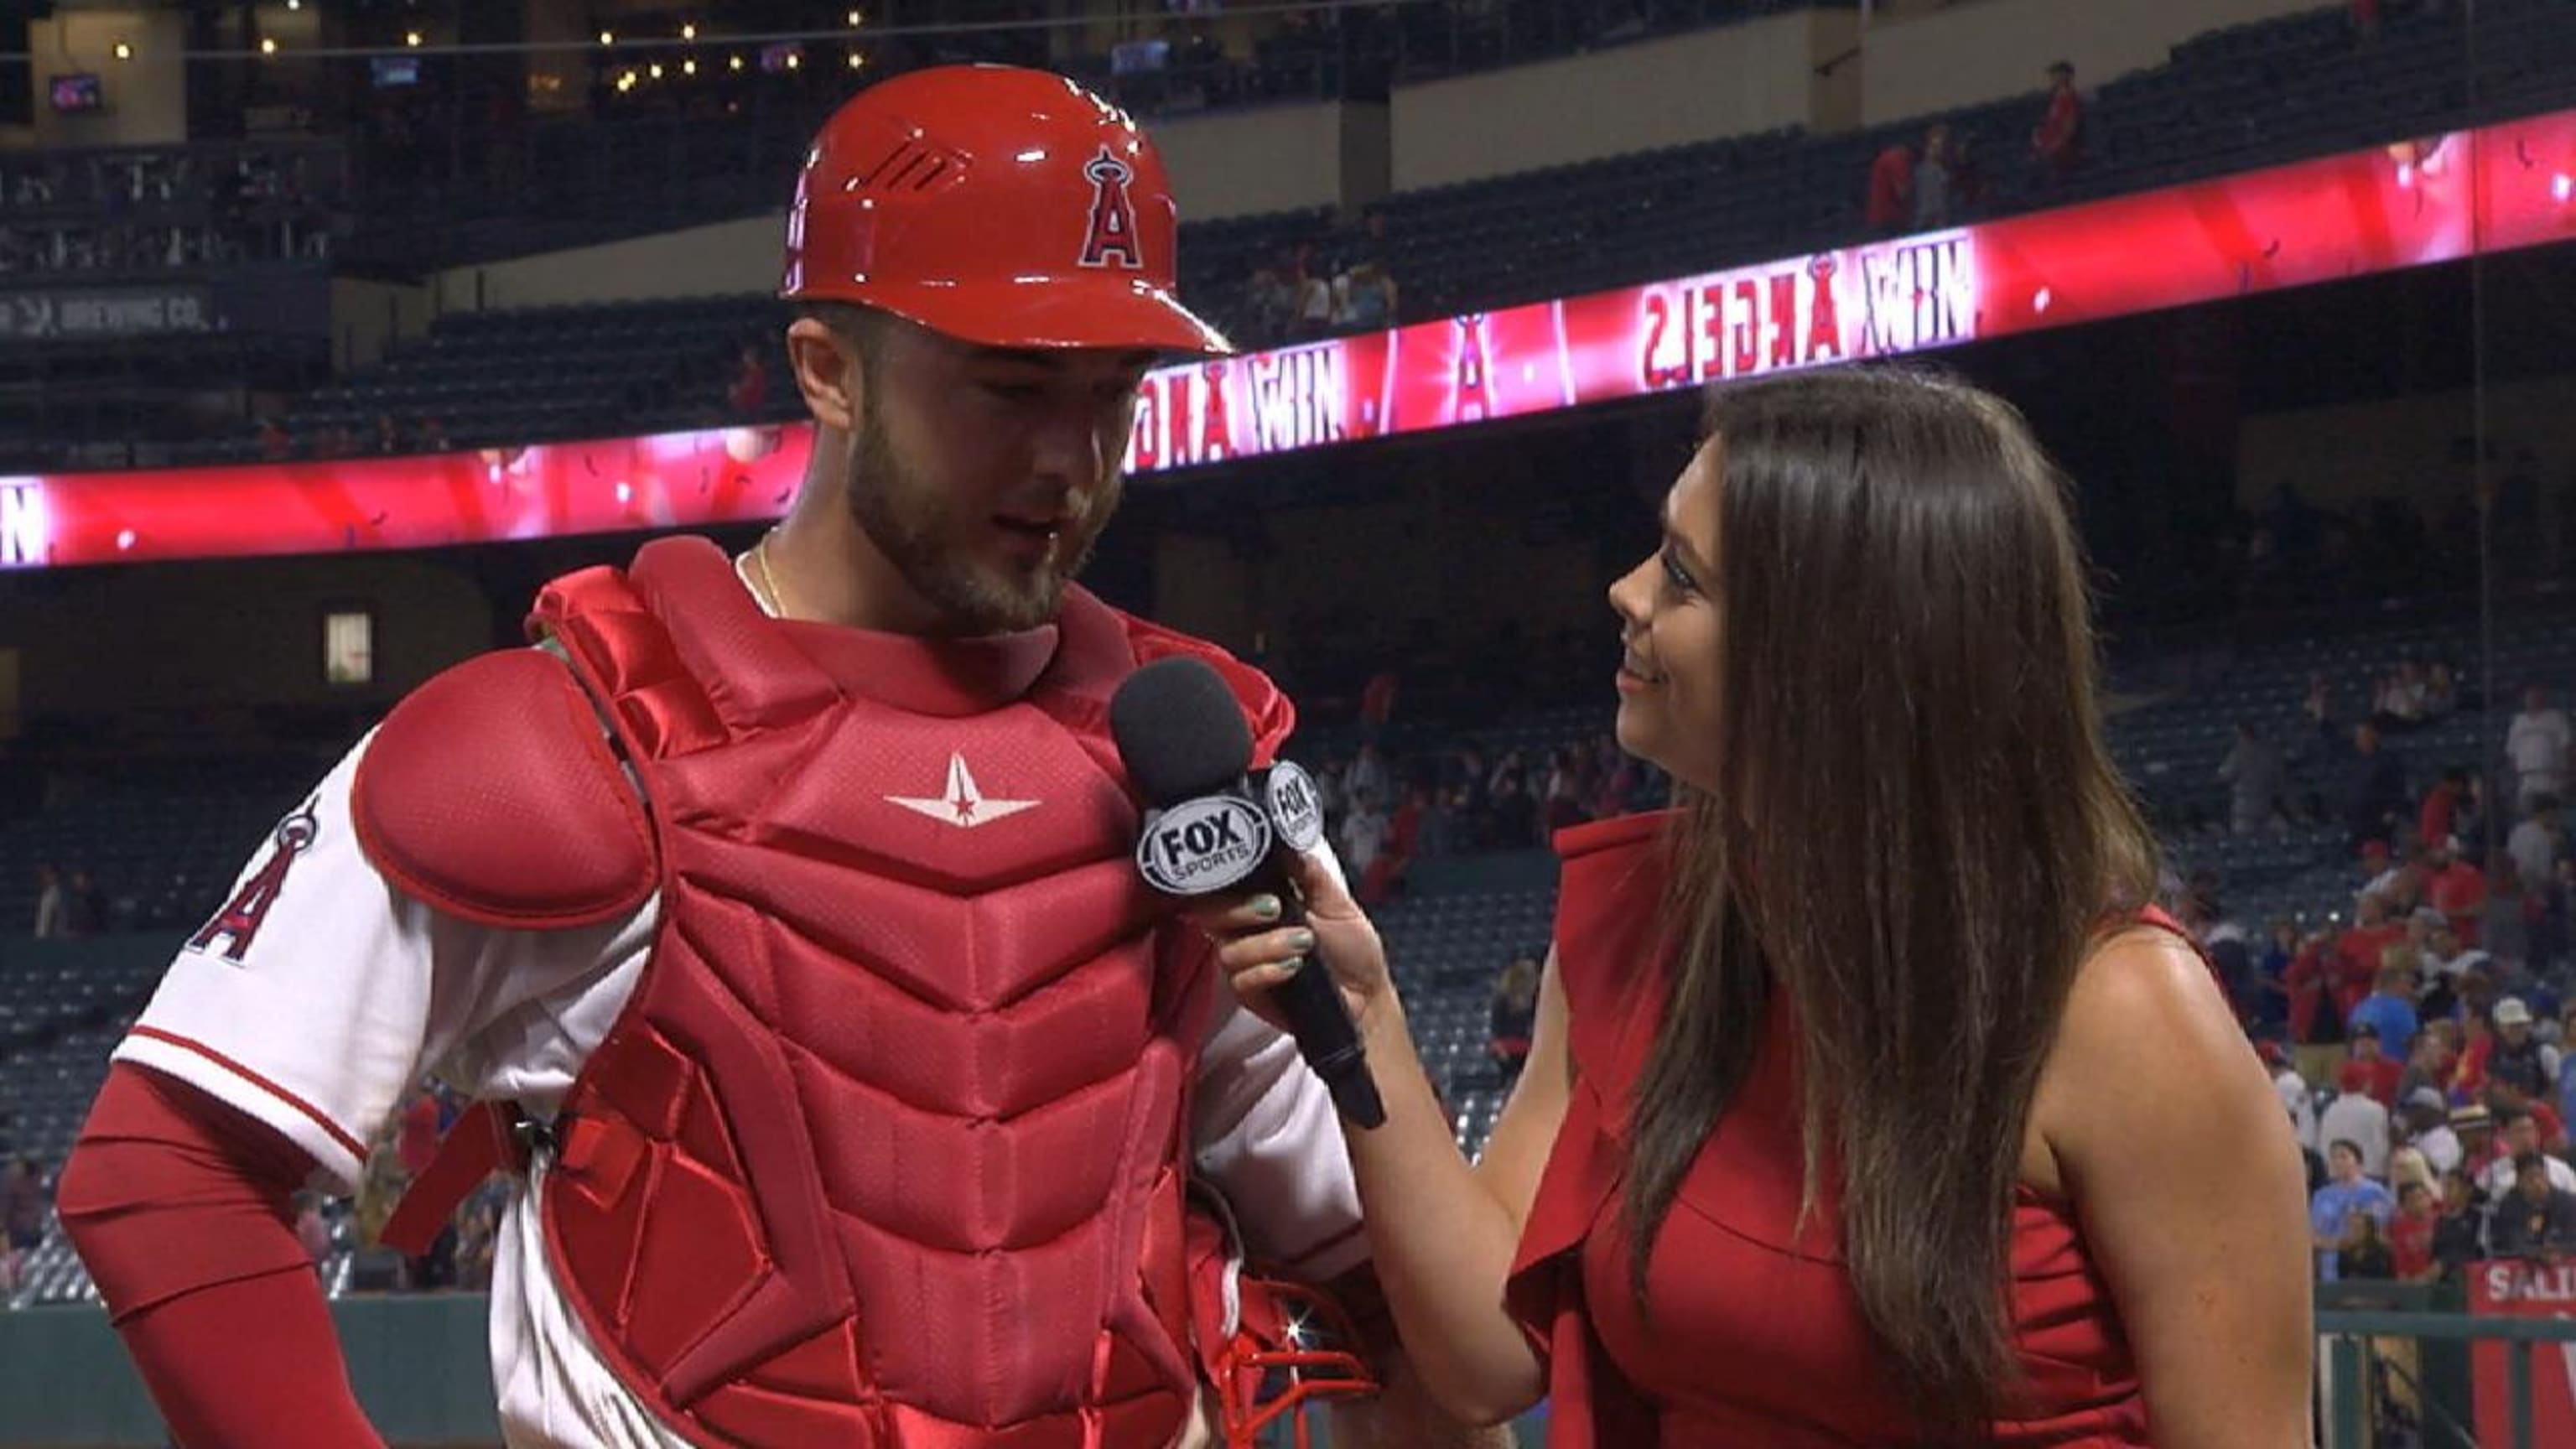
(1867,1104)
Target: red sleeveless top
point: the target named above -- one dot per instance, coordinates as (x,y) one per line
(1757,1337)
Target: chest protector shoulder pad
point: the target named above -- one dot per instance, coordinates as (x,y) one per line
(490,793)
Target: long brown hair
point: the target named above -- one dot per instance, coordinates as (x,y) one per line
(1915,833)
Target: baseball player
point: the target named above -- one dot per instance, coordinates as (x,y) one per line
(778,911)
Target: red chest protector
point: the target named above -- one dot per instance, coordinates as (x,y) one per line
(888,1145)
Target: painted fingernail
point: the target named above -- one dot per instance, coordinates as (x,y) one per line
(1266,907)
(1288,968)
(1301,941)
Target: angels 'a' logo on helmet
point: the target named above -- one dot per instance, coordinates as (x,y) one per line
(1111,239)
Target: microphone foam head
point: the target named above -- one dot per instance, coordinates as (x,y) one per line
(1180,731)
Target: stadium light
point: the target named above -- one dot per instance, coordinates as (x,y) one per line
(689,66)
(124,51)
(655,71)
(857,60)
(608,37)
(689,31)
(795,61)
(734,64)
(856,17)
(294,4)
(268,45)
(412,39)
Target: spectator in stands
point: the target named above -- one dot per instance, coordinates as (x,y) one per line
(2517,1058)
(2459,1233)
(1363,833)
(2356,1117)
(2270,1019)
(1403,842)
(2410,1234)
(84,908)
(1565,791)
(2428,1068)
(2254,771)
(2433,817)
(2375,797)
(2375,928)
(2348,1191)
(1364,299)
(2058,143)
(2521,1137)
(388,438)
(477,1225)
(53,912)
(1377,706)
(2441,691)
(2537,842)
(2454,887)
(416,1139)
(433,436)
(1363,245)
(24,1207)
(1890,203)
(2377,875)
(2366,1256)
(1269,301)
(1514,1016)
(2428,1126)
(1932,180)
(2386,1015)
(1370,773)
(2316,1016)
(1313,291)
(2397,706)
(2297,1098)
(2536,1221)
(2504,923)
(2537,743)
(2474,1124)
(2551,924)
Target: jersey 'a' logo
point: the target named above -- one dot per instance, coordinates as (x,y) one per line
(1111,240)
(239,921)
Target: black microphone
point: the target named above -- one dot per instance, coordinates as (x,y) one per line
(1181,735)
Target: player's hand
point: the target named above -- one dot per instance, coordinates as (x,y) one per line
(1257,953)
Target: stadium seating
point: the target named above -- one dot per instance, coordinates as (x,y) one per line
(2244,97)
(169,855)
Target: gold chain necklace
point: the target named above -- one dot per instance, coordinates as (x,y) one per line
(768,581)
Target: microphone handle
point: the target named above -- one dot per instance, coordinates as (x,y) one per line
(1319,1020)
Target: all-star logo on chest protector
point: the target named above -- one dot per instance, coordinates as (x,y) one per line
(1111,239)
(962,804)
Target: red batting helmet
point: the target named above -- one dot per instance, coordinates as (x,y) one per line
(1003,206)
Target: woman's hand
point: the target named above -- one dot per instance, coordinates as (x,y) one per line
(1257,953)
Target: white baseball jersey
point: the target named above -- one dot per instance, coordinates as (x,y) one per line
(320,1018)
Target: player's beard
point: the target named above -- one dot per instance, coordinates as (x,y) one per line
(929,541)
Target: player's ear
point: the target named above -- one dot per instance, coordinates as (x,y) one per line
(829,372)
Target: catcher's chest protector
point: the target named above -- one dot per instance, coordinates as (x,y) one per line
(887,1148)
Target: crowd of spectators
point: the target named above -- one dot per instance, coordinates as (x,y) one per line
(77,215)
(2422,1047)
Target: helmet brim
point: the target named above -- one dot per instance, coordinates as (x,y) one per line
(1049,312)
